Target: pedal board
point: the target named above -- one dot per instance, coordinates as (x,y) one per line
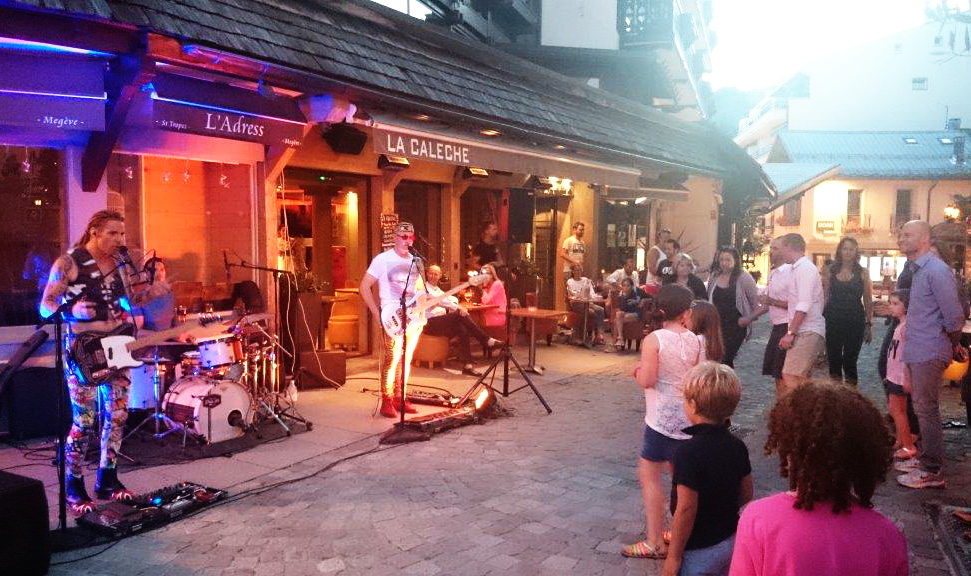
(430,398)
(151,509)
(444,420)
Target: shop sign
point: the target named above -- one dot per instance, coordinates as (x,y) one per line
(223,124)
(59,112)
(825,227)
(58,91)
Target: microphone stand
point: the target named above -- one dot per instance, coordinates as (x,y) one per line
(274,409)
(399,434)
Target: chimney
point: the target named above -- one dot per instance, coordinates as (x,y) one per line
(958,150)
(953,124)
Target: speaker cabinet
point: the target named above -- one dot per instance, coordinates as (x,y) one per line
(30,400)
(25,546)
(334,364)
(521,212)
(344,138)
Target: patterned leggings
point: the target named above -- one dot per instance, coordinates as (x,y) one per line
(84,410)
(391,364)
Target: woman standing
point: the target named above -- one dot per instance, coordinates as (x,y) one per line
(848,311)
(733,292)
(684,274)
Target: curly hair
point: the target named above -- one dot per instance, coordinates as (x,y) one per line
(833,445)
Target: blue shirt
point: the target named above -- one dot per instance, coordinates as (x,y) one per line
(934,310)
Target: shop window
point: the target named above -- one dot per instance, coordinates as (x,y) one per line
(421,204)
(31,236)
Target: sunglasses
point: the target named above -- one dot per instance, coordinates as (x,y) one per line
(406,236)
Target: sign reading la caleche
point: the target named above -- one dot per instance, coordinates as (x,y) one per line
(399,144)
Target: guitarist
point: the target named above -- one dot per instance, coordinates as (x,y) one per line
(95,265)
(450,319)
(390,270)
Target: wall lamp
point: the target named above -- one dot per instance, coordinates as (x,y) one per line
(393,163)
(471,172)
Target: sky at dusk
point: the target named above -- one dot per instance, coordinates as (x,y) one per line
(761,43)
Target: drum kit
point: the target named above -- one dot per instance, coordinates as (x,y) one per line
(219,388)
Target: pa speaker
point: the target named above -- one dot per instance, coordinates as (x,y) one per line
(322,369)
(25,546)
(520,215)
(30,399)
(344,138)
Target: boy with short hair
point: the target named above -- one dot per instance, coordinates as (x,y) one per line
(712,476)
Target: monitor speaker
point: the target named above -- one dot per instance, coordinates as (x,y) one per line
(25,546)
(520,215)
(322,369)
(344,138)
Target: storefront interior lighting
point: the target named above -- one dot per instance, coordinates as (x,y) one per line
(393,163)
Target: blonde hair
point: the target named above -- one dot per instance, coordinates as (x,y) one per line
(715,390)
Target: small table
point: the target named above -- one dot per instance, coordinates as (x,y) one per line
(477,311)
(534,314)
(586,312)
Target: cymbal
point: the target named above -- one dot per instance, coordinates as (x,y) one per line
(154,360)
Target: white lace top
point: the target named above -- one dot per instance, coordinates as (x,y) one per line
(677,353)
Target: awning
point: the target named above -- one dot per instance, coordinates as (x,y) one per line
(182,104)
(49,90)
(675,194)
(795,179)
(393,138)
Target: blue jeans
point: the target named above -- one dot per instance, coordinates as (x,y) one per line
(711,561)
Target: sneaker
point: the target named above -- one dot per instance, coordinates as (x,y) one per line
(908,465)
(920,478)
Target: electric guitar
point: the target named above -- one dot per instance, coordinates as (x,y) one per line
(99,354)
(391,319)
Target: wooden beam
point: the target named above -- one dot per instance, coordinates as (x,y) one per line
(128,74)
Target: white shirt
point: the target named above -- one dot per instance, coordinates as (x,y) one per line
(448,303)
(619,274)
(780,283)
(806,295)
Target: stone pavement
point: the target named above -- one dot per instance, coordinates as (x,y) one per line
(528,493)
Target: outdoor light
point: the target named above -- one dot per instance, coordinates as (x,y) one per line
(952,213)
(471,172)
(393,163)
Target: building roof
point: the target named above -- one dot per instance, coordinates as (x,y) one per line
(375,54)
(794,179)
(876,155)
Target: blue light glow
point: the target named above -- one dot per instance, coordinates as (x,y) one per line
(104,95)
(155,96)
(44,47)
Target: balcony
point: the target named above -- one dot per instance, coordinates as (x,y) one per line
(898,220)
(787,220)
(857,224)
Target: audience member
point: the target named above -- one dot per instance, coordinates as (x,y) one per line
(733,292)
(493,293)
(684,274)
(667,354)
(775,302)
(803,341)
(664,272)
(486,251)
(897,381)
(573,249)
(712,476)
(848,310)
(452,321)
(654,256)
(627,306)
(706,323)
(585,302)
(627,271)
(825,523)
(933,333)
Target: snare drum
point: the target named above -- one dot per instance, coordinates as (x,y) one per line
(215,409)
(220,350)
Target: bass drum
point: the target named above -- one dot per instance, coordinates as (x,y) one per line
(214,409)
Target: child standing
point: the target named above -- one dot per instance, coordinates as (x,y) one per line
(712,476)
(667,354)
(897,382)
(706,323)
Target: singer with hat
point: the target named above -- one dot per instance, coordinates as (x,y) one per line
(98,270)
(398,274)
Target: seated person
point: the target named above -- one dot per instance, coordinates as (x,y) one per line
(627,306)
(451,320)
(584,300)
(493,293)
(155,304)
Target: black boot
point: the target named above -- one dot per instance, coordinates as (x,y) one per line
(108,487)
(77,495)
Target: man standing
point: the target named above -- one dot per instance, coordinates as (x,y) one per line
(94,267)
(775,302)
(453,321)
(934,323)
(396,272)
(487,249)
(805,338)
(573,249)
(664,273)
(654,256)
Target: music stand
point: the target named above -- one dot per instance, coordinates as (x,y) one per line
(505,355)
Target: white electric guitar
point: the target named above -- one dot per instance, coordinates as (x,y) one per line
(391,319)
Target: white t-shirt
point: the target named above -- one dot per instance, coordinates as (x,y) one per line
(575,249)
(391,271)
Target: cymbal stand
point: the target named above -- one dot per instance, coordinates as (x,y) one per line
(269,402)
(159,417)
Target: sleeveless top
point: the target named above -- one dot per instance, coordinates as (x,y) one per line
(845,299)
(677,353)
(107,296)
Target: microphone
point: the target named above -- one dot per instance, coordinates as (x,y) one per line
(414,252)
(226,265)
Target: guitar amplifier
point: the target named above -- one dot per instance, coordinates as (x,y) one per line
(333,363)
(30,403)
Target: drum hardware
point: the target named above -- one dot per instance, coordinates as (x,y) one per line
(267,398)
(159,417)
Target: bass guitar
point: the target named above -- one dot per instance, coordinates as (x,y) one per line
(100,354)
(394,324)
